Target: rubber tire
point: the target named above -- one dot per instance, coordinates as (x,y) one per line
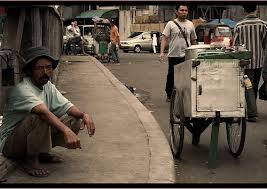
(242,125)
(137,49)
(176,147)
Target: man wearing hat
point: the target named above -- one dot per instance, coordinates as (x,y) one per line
(38,117)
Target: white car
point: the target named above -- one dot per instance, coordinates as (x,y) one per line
(140,41)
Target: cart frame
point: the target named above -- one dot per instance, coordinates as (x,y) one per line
(184,114)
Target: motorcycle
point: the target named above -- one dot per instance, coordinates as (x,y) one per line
(73,46)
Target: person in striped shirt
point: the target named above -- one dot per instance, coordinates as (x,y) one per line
(252,32)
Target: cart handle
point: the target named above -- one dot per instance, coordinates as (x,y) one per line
(243,63)
(195,63)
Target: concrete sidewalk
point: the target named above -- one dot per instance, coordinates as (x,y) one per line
(128,146)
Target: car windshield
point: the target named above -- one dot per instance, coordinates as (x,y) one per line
(134,34)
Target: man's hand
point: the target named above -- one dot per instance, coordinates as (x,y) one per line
(88,122)
(161,57)
(71,139)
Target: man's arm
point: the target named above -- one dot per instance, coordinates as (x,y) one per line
(70,28)
(87,120)
(194,42)
(193,36)
(71,139)
(236,37)
(118,36)
(163,44)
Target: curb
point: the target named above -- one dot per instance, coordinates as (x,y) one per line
(161,168)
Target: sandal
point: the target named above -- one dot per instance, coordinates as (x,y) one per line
(50,158)
(37,172)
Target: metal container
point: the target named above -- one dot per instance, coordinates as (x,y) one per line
(192,51)
(213,85)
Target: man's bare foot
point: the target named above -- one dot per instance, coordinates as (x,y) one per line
(32,167)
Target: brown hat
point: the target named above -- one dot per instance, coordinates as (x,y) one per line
(34,53)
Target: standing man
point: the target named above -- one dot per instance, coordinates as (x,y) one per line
(154,42)
(252,32)
(38,117)
(179,40)
(73,34)
(115,41)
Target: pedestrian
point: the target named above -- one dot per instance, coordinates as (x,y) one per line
(251,32)
(74,37)
(154,42)
(38,117)
(115,42)
(179,38)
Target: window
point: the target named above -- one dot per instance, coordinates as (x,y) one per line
(134,34)
(146,35)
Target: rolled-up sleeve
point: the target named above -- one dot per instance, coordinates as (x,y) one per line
(59,104)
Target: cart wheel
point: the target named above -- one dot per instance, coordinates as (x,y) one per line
(236,134)
(176,124)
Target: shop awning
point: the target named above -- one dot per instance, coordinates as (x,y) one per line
(99,13)
(226,21)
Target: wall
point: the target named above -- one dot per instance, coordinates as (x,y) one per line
(31,26)
(72,11)
(263,12)
(166,13)
(152,19)
(148,27)
(236,13)
(125,20)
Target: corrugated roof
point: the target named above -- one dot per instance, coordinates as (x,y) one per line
(99,13)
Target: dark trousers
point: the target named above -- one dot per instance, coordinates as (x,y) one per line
(254,76)
(33,136)
(170,77)
(114,53)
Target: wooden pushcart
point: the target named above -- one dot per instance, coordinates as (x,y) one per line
(207,92)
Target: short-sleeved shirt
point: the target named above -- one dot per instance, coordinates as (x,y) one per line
(74,33)
(177,43)
(23,98)
(252,32)
(114,35)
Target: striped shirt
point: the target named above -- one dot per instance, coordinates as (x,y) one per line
(252,32)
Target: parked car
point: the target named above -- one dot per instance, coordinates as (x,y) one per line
(140,41)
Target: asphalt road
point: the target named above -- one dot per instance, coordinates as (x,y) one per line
(144,72)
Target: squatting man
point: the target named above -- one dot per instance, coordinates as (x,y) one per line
(38,117)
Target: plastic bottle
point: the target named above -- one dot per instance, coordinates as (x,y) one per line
(247,82)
